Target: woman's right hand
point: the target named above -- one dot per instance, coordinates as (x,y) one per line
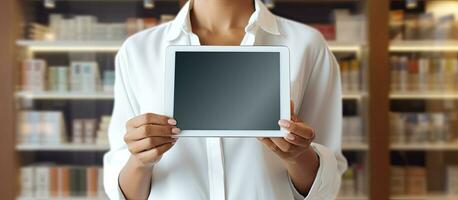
(149,136)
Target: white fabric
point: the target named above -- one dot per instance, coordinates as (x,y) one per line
(229,168)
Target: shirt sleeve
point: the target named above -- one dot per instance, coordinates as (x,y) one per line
(321,108)
(115,159)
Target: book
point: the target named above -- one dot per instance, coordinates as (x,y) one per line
(78,131)
(397,180)
(53,181)
(63,181)
(89,130)
(42,181)
(416,183)
(452,180)
(52,127)
(92,181)
(33,75)
(27,181)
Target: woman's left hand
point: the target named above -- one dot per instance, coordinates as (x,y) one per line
(295,144)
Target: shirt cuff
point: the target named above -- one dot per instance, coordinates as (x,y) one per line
(111,170)
(327,180)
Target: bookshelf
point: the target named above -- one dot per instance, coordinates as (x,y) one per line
(61,198)
(425,197)
(367,53)
(425,147)
(424,46)
(46,95)
(61,147)
(425,95)
(108,46)
(69,46)
(352,198)
(355,147)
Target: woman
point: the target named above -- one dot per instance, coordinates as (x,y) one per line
(146,161)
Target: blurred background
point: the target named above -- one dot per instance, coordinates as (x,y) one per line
(399,68)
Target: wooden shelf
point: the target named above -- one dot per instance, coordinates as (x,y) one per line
(352,198)
(424,95)
(64,95)
(425,147)
(424,46)
(353,95)
(62,147)
(337,46)
(355,147)
(425,197)
(106,96)
(59,46)
(110,46)
(61,198)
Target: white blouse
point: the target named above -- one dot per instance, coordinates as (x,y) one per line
(229,168)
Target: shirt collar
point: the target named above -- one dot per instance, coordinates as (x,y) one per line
(261,17)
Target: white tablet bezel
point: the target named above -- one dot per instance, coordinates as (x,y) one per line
(284,89)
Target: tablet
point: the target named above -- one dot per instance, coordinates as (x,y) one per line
(228,91)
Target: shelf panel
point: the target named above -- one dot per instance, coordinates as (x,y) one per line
(61,147)
(424,95)
(337,46)
(59,46)
(109,46)
(424,46)
(425,147)
(425,197)
(355,147)
(104,96)
(353,95)
(352,198)
(64,95)
(61,198)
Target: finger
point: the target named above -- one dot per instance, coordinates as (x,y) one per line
(297,140)
(269,144)
(149,118)
(149,143)
(154,154)
(284,145)
(150,131)
(298,128)
(293,115)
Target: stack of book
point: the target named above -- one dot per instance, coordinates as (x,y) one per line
(420,128)
(41,127)
(353,182)
(33,75)
(88,28)
(108,81)
(452,179)
(352,130)
(48,127)
(80,76)
(102,133)
(349,27)
(51,181)
(424,26)
(134,25)
(84,76)
(86,131)
(410,180)
(424,73)
(351,75)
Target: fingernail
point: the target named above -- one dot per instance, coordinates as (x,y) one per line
(176,130)
(284,123)
(172,122)
(290,136)
(173,143)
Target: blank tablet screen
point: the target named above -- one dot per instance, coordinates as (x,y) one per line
(227,90)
